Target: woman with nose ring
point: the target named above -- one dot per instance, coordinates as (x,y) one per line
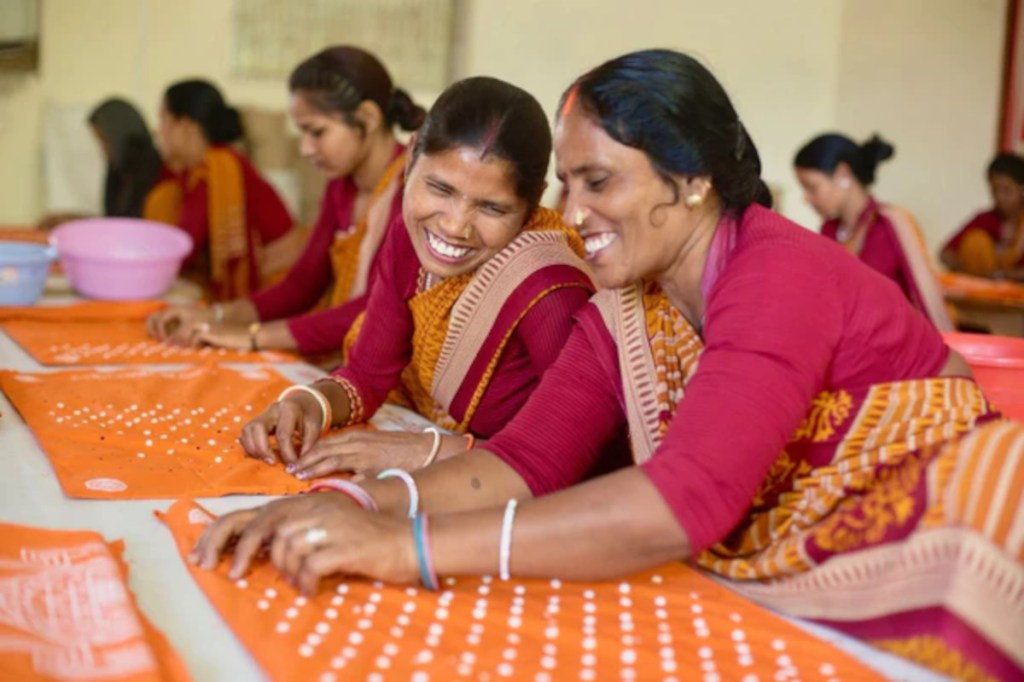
(472,301)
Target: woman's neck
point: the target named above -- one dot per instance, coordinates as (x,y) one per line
(194,153)
(856,201)
(378,157)
(681,281)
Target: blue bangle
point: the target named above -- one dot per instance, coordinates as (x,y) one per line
(419,532)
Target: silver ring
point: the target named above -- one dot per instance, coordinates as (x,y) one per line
(315,537)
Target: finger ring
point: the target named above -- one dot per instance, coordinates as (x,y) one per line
(315,536)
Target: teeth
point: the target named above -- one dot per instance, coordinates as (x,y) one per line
(446,249)
(595,243)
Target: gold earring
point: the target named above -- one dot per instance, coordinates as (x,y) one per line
(694,200)
(578,217)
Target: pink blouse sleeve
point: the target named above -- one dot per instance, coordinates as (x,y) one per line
(384,346)
(309,278)
(770,336)
(557,437)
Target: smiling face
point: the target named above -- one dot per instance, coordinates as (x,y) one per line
(461,209)
(333,146)
(633,224)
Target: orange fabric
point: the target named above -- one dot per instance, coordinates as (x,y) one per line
(93,311)
(670,622)
(981,289)
(131,434)
(28,235)
(67,613)
(229,248)
(163,203)
(432,313)
(346,248)
(105,334)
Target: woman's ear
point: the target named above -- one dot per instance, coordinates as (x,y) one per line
(369,116)
(843,175)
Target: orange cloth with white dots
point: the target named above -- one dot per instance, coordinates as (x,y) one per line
(666,624)
(105,333)
(131,434)
(66,612)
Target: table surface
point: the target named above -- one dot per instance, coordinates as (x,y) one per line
(30,494)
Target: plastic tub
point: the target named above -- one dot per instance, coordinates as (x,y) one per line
(23,270)
(998,366)
(121,259)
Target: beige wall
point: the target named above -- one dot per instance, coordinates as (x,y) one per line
(793,67)
(925,75)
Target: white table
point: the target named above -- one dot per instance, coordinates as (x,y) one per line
(31,495)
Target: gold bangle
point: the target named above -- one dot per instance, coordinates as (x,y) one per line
(254,329)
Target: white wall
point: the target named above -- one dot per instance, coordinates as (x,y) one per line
(793,67)
(925,74)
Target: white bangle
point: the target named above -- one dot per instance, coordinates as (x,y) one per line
(505,548)
(218,313)
(321,399)
(414,493)
(435,448)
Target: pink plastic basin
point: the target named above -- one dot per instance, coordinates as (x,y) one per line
(998,366)
(120,259)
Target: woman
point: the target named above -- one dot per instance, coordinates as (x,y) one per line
(473,299)
(346,108)
(992,242)
(241,231)
(836,174)
(133,164)
(797,427)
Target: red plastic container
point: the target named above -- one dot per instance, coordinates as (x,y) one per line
(998,366)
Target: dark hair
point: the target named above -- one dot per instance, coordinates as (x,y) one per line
(202,102)
(825,152)
(496,118)
(339,79)
(1010,165)
(669,106)
(134,163)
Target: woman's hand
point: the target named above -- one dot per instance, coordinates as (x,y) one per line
(224,336)
(299,416)
(178,325)
(248,531)
(313,545)
(310,537)
(364,451)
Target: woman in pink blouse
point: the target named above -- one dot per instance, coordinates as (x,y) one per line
(836,174)
(796,427)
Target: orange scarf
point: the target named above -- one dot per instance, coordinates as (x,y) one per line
(230,262)
(352,253)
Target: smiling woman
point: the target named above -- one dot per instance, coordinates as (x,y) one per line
(797,428)
(474,296)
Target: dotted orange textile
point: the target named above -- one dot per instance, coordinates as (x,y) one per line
(131,434)
(66,612)
(667,624)
(102,333)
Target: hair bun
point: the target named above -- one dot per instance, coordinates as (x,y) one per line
(228,126)
(403,111)
(877,150)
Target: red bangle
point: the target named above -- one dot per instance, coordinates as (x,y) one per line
(356,412)
(470,441)
(356,492)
